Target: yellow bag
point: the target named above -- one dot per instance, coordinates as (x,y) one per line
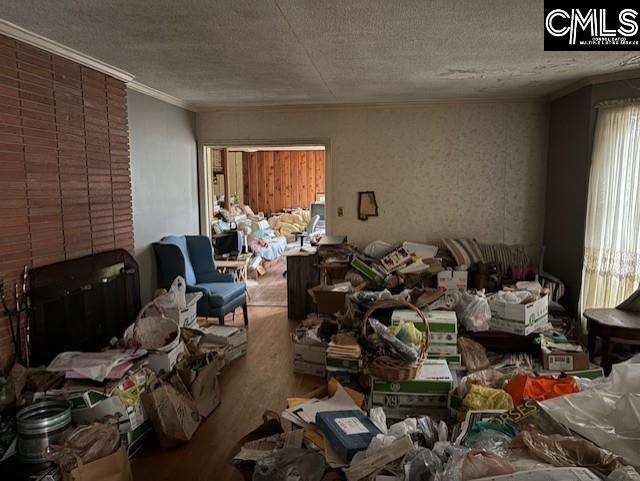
(480,398)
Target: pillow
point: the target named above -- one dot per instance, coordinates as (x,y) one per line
(465,251)
(505,256)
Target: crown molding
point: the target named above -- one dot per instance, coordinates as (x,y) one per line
(15,31)
(27,36)
(151,92)
(363,104)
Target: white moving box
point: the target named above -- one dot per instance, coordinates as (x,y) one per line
(309,358)
(232,339)
(185,317)
(453,280)
(162,362)
(522,319)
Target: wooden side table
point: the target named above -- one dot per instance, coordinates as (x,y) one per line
(239,266)
(611,325)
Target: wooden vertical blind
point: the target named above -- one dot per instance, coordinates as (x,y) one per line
(283,179)
(65,186)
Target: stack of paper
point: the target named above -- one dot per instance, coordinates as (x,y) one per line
(97,366)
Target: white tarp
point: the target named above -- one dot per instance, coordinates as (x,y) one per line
(607,412)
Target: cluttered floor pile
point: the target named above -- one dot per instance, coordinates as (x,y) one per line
(444,384)
(85,414)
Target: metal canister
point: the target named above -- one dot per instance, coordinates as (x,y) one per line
(39,426)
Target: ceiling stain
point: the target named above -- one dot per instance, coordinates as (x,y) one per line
(635,60)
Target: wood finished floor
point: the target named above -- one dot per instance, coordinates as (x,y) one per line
(261,380)
(272,287)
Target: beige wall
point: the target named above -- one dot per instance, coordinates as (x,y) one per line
(472,169)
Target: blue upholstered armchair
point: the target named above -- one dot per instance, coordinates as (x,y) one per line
(192,258)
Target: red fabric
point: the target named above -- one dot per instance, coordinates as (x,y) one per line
(538,388)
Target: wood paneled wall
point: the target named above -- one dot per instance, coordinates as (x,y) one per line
(65,188)
(276,180)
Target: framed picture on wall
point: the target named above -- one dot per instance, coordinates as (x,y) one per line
(367,205)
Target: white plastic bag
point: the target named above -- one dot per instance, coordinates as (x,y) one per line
(608,414)
(176,296)
(473,311)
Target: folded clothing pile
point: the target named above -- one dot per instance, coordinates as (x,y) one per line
(344,344)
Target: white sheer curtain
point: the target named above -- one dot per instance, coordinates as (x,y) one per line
(611,270)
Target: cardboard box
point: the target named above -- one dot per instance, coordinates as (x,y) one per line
(224,335)
(98,405)
(335,363)
(522,319)
(442,349)
(396,415)
(452,359)
(453,280)
(162,362)
(565,361)
(346,378)
(92,405)
(434,378)
(314,353)
(232,340)
(443,325)
(308,358)
(348,432)
(330,299)
(309,368)
(518,328)
(417,402)
(185,317)
(231,353)
(455,404)
(592,372)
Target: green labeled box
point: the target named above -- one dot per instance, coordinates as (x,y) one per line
(394,415)
(443,325)
(442,349)
(521,319)
(594,372)
(399,401)
(349,364)
(434,377)
(452,359)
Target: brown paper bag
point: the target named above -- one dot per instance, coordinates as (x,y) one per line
(114,467)
(173,412)
(202,382)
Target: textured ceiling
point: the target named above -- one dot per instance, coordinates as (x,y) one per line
(261,52)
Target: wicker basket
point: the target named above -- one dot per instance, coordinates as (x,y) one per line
(388,368)
(158,333)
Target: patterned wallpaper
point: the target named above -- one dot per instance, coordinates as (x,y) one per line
(472,169)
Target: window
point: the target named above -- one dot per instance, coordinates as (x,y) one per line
(611,270)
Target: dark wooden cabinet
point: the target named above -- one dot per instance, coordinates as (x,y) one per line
(302,274)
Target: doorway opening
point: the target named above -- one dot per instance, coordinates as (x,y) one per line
(260,204)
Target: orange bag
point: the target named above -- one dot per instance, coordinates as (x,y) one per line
(538,388)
